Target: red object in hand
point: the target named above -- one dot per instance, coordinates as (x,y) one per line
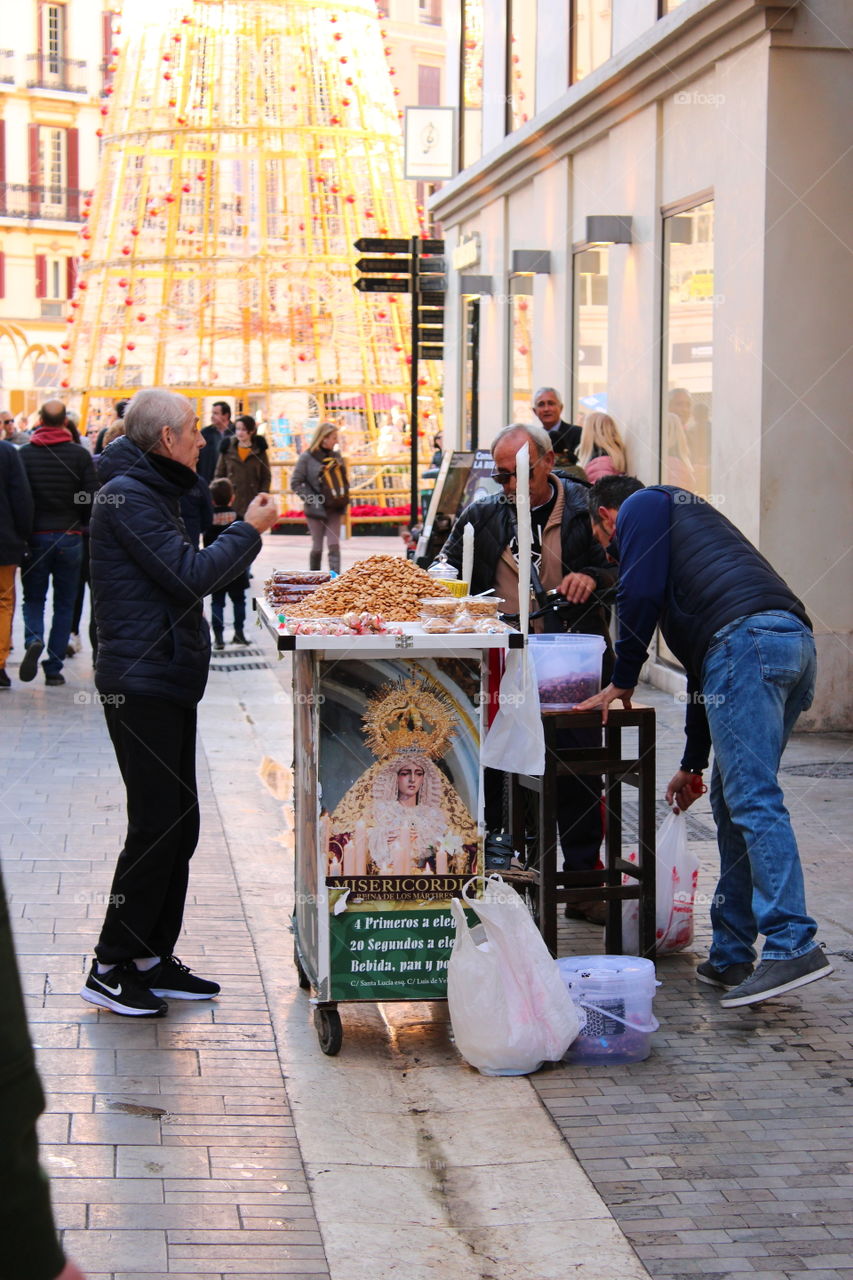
(697,786)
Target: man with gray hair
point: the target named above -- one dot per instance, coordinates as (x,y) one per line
(566,559)
(148,585)
(564,436)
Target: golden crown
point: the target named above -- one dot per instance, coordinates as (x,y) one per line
(409,716)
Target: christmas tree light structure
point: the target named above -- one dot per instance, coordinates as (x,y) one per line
(246,145)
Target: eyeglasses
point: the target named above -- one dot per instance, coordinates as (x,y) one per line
(504,477)
(6,422)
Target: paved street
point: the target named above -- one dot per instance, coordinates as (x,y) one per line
(220,1144)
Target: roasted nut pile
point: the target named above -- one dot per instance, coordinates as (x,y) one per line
(387,585)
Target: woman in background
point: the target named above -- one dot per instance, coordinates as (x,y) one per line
(320,479)
(601,451)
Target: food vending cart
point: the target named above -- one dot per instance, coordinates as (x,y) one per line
(388,807)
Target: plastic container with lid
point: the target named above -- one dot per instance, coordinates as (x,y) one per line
(568,668)
(444,607)
(443,571)
(615,993)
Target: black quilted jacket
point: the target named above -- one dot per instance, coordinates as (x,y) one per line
(149,581)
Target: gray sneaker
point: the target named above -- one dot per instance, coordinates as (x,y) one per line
(732,976)
(776,977)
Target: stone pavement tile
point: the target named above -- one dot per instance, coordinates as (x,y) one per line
(105,1190)
(139,1250)
(102,1126)
(161,1217)
(70,1160)
(161,1162)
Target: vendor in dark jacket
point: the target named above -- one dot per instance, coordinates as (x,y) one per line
(567,559)
(746,644)
(148,583)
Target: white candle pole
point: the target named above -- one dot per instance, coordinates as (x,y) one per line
(522,507)
(467,554)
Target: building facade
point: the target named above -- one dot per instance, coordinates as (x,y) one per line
(652,215)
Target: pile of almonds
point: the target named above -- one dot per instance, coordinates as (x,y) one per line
(385,585)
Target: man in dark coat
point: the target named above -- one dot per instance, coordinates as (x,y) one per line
(213,437)
(746,644)
(149,582)
(16,522)
(565,436)
(567,559)
(61,475)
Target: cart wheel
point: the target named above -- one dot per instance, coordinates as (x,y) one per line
(329,1030)
(304,980)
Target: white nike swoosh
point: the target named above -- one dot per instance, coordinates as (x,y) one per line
(114,991)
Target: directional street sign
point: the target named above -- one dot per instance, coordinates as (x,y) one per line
(431,353)
(384,265)
(382,285)
(432,284)
(431,266)
(368,245)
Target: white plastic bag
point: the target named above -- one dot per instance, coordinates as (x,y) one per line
(515,742)
(509,1007)
(676,873)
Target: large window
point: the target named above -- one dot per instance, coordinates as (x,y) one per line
(688,333)
(591,25)
(589,333)
(471,374)
(471,86)
(521,349)
(521,63)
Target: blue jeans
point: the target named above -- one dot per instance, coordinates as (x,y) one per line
(237,596)
(58,556)
(758,675)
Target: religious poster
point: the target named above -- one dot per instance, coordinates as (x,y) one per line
(399,783)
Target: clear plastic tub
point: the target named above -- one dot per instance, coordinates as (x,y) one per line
(615,993)
(568,668)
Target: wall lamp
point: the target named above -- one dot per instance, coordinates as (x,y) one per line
(606,229)
(530,262)
(476,286)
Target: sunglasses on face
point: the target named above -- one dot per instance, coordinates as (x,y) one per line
(504,477)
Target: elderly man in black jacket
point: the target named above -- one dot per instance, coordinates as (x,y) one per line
(16,522)
(567,559)
(148,583)
(61,475)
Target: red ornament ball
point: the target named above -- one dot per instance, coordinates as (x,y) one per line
(131,346)
(112,360)
(65,383)
(142,317)
(134,231)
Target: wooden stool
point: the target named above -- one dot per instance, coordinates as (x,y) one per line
(558,887)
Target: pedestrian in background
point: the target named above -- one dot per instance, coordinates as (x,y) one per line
(320,480)
(223,515)
(61,475)
(16,522)
(601,451)
(243,461)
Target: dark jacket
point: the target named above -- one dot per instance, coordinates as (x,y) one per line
(197,511)
(29,1241)
(565,439)
(62,480)
(149,581)
(222,518)
(494,528)
(249,477)
(16,506)
(685,567)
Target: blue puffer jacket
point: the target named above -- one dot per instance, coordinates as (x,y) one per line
(149,581)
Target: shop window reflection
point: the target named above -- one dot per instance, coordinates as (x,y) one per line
(471,75)
(689,301)
(589,332)
(521,63)
(591,26)
(521,355)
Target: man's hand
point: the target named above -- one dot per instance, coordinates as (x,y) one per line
(261,513)
(604,699)
(680,792)
(577,587)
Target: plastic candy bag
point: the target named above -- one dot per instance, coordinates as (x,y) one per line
(676,874)
(509,1007)
(515,742)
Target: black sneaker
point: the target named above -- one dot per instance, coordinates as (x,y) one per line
(218,642)
(732,976)
(5,682)
(54,681)
(121,990)
(30,661)
(239,638)
(172,979)
(775,977)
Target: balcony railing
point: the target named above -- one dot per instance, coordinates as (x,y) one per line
(7,73)
(65,74)
(60,204)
